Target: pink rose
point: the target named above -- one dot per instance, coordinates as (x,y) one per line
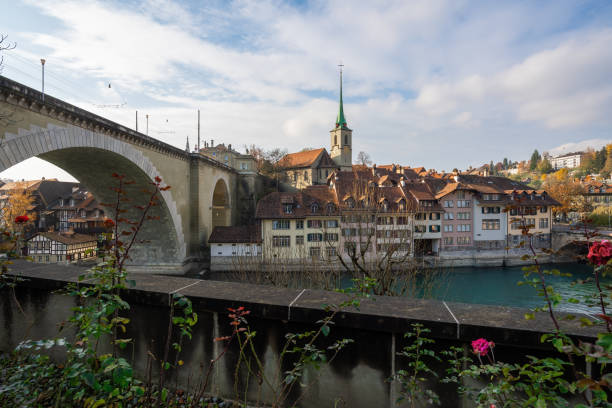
(482,346)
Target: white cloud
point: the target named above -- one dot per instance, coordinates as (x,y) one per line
(434,82)
(579,146)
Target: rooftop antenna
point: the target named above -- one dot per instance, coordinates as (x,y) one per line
(42,63)
(198,130)
(137,121)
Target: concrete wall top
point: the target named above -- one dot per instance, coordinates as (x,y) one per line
(446,320)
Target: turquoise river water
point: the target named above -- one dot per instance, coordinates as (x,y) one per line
(498,286)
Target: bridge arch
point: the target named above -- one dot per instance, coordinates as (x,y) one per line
(92,157)
(221,204)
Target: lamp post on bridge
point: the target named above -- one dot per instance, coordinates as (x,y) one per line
(42,63)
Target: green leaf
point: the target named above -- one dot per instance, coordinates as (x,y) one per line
(529,316)
(325,330)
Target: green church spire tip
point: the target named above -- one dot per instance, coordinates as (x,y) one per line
(341,120)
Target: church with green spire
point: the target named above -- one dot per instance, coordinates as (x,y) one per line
(341,138)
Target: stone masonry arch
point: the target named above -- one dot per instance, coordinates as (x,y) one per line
(92,157)
(220,204)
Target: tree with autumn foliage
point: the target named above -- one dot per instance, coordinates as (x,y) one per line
(567,191)
(19,202)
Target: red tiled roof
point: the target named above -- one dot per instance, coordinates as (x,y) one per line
(68,239)
(306,159)
(271,206)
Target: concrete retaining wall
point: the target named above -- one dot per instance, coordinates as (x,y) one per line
(359,376)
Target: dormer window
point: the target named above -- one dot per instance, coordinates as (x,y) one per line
(61,203)
(385,205)
(350,203)
(288,208)
(314,208)
(402,205)
(71,202)
(331,208)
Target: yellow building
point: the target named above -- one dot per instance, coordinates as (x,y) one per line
(301,225)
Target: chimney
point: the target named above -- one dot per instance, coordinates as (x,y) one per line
(374,169)
(212,143)
(229,147)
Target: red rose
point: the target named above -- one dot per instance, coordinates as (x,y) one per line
(600,253)
(20,219)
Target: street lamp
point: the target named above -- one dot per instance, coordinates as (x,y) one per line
(42,63)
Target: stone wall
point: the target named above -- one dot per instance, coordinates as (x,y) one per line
(359,376)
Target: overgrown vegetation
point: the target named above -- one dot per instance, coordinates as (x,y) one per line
(92,370)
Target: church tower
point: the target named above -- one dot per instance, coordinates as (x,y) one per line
(342,139)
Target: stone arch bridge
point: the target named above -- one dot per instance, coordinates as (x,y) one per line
(204,193)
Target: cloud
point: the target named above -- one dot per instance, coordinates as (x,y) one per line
(434,82)
(579,146)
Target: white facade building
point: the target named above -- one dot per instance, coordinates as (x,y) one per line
(569,160)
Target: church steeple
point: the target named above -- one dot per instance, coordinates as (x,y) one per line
(341,138)
(341,120)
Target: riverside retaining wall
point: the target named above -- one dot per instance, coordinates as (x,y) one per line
(359,376)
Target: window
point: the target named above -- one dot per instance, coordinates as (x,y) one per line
(350,203)
(434,228)
(305,176)
(331,208)
(331,237)
(463,240)
(287,208)
(299,224)
(299,240)
(331,223)
(448,204)
(543,209)
(490,224)
(315,237)
(460,194)
(345,139)
(314,224)
(349,232)
(226,158)
(448,240)
(449,216)
(335,139)
(295,176)
(464,203)
(47,258)
(434,216)
(314,208)
(331,252)
(491,210)
(543,222)
(243,166)
(463,228)
(420,228)
(402,220)
(384,221)
(448,228)
(315,252)
(350,247)
(281,241)
(463,216)
(280,224)
(402,204)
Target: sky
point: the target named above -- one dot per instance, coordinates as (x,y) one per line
(437,83)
